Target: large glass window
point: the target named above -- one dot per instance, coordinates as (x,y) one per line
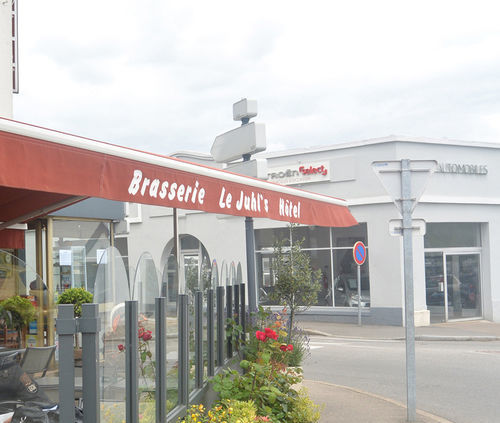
(330,250)
(452,235)
(266,238)
(78,246)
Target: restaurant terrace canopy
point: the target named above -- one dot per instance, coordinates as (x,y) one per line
(42,170)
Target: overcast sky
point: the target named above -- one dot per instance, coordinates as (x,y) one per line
(162,75)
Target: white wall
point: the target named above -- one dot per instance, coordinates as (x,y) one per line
(5,60)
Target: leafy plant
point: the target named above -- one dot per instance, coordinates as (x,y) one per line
(146,363)
(265,317)
(228,411)
(21,311)
(296,284)
(304,410)
(265,378)
(76,296)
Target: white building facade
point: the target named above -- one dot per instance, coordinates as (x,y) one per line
(455,276)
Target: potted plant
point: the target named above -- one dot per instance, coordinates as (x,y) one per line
(17,312)
(77,297)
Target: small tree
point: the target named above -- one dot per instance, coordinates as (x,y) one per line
(296,285)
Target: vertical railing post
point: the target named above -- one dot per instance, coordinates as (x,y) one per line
(236,293)
(220,326)
(198,306)
(229,311)
(90,324)
(243,311)
(210,333)
(66,328)
(161,357)
(131,348)
(183,331)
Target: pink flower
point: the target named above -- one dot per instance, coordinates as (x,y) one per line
(121,347)
(261,336)
(289,347)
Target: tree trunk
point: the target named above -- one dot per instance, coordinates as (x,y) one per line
(290,325)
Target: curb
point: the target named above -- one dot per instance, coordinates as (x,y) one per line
(422,413)
(481,338)
(478,338)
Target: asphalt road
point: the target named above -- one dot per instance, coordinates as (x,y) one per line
(458,380)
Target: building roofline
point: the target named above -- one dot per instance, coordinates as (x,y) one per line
(380,140)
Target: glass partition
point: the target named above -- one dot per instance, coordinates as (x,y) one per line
(26,309)
(170,269)
(214,285)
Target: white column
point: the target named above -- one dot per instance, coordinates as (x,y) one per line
(5,59)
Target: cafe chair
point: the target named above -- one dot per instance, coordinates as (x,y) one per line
(37,359)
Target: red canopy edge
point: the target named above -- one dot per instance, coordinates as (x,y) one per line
(12,238)
(42,160)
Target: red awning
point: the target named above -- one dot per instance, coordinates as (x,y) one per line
(12,238)
(43,170)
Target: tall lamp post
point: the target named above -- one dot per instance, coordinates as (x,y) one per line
(240,144)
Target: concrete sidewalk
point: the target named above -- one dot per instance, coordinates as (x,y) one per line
(342,404)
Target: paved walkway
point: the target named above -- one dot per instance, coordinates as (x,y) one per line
(342,404)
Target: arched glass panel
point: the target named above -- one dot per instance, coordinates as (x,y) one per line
(205,274)
(171,286)
(224,274)
(239,274)
(111,290)
(214,285)
(215,274)
(146,287)
(232,274)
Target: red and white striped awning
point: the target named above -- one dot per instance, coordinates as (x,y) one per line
(42,170)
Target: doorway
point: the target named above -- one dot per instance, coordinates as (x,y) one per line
(453,294)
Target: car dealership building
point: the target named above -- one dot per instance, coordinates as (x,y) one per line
(454,272)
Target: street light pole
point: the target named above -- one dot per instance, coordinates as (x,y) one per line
(250,251)
(241,143)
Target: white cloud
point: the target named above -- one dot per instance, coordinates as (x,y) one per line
(162,76)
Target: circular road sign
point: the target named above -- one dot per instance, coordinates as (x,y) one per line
(359,253)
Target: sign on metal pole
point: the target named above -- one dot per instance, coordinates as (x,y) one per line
(359,255)
(389,173)
(405,181)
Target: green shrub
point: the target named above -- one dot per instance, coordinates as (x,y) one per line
(278,321)
(265,380)
(304,410)
(21,310)
(76,296)
(228,411)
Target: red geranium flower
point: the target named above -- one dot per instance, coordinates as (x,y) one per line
(289,347)
(271,333)
(283,347)
(261,336)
